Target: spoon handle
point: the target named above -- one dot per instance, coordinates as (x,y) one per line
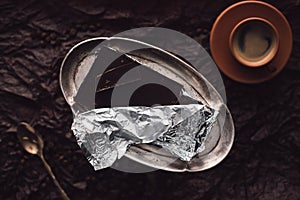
(48,168)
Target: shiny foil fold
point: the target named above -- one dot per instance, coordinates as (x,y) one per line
(106,133)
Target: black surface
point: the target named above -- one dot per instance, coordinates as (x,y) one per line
(35,36)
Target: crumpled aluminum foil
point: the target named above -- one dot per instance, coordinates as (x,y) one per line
(106,133)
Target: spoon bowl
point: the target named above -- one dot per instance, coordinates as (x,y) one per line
(30,140)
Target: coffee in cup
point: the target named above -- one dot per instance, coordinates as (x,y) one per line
(254,42)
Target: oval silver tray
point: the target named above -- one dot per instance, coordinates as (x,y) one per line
(220,139)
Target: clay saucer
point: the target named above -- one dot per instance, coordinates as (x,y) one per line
(223,44)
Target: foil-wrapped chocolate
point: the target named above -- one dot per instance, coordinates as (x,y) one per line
(106,133)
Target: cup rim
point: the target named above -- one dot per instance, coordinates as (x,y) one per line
(266,59)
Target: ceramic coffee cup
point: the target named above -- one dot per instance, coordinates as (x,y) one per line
(254,42)
(251,41)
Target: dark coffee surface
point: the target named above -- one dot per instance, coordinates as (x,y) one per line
(35,35)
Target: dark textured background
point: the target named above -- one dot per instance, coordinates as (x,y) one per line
(35,36)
